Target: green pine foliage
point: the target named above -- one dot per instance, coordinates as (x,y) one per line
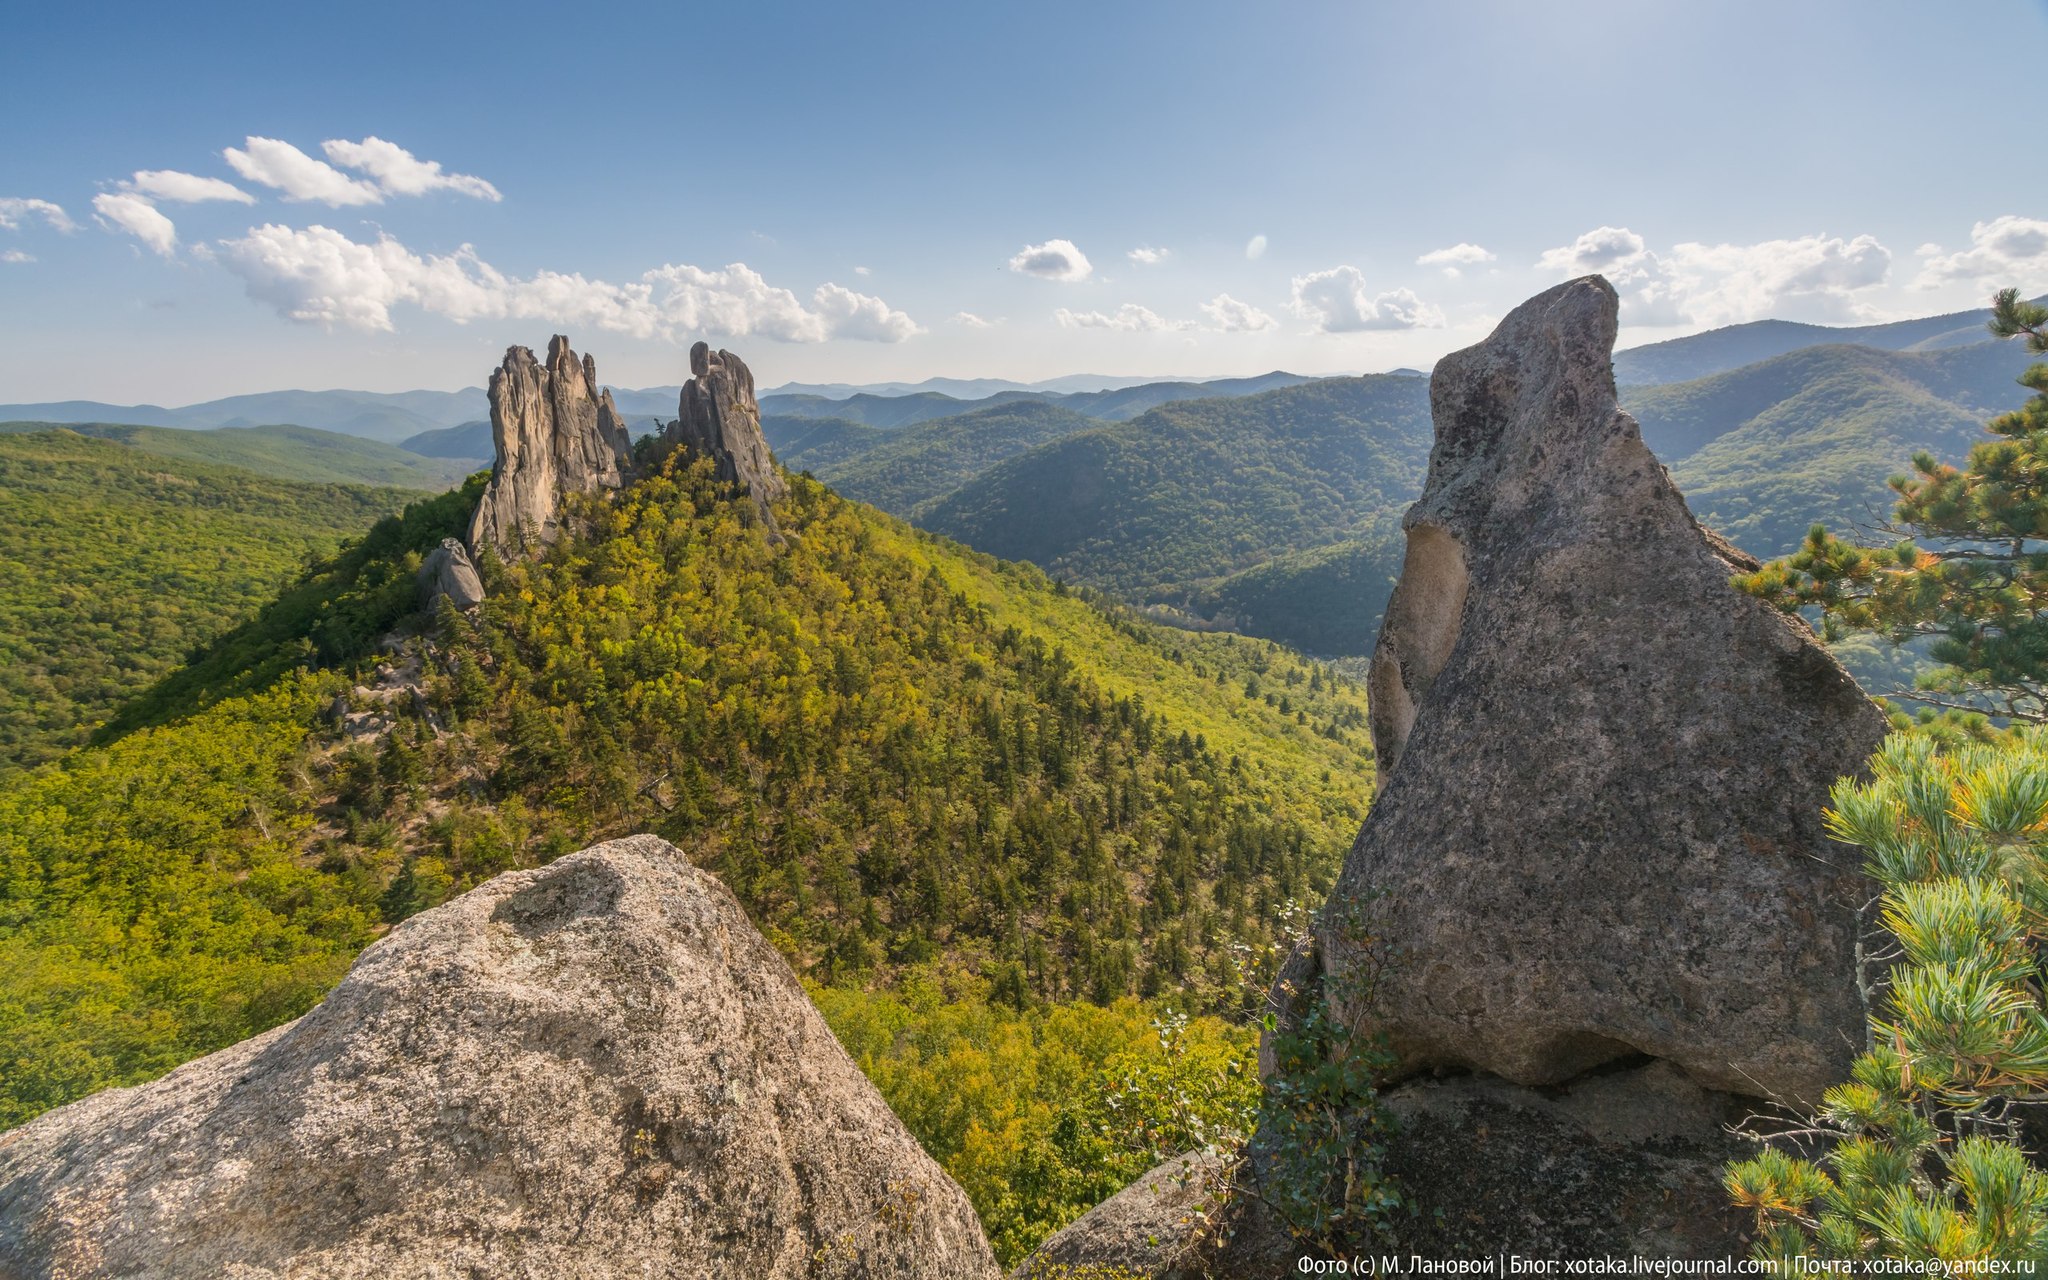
(1042,1114)
(115,563)
(1919,1154)
(892,752)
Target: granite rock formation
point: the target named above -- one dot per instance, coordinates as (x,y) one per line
(448,571)
(1598,832)
(719,418)
(1610,918)
(556,432)
(594,1069)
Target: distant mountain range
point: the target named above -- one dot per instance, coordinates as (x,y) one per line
(1719,350)
(1262,512)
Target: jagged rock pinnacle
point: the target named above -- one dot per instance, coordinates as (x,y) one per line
(719,418)
(556,432)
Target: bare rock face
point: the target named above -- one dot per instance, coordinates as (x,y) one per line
(719,418)
(594,1069)
(1598,831)
(448,571)
(556,432)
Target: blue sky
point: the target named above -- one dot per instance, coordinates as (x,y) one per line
(854,194)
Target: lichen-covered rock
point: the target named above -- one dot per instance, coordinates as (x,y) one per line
(1153,1229)
(719,418)
(1598,832)
(448,571)
(556,432)
(594,1069)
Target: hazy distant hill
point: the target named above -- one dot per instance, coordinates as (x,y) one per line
(469,440)
(1114,405)
(1765,451)
(286,453)
(909,467)
(1718,350)
(389,417)
(1191,492)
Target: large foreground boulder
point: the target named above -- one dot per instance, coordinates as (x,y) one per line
(1598,833)
(717,417)
(556,432)
(594,1069)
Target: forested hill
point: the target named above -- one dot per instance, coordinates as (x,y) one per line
(116,561)
(896,752)
(1193,491)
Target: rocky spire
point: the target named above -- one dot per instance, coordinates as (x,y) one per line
(594,1069)
(719,418)
(556,432)
(1593,907)
(1598,831)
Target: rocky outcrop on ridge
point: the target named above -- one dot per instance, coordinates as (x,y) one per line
(719,418)
(448,571)
(1598,833)
(1610,918)
(594,1069)
(556,432)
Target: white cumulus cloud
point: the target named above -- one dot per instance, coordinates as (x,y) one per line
(968,320)
(1053,260)
(317,275)
(1814,277)
(125,211)
(1337,301)
(185,188)
(1147,256)
(17,255)
(299,176)
(1597,250)
(1817,277)
(1461,254)
(15,210)
(399,172)
(1255,248)
(1128,318)
(1454,259)
(1227,315)
(2008,250)
(858,315)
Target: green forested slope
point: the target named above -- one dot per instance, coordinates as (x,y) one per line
(286,453)
(1187,494)
(114,562)
(1764,452)
(910,466)
(897,753)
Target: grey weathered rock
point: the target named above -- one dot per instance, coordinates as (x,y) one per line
(718,417)
(594,1069)
(556,432)
(1150,1229)
(448,571)
(1598,830)
(1624,1162)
